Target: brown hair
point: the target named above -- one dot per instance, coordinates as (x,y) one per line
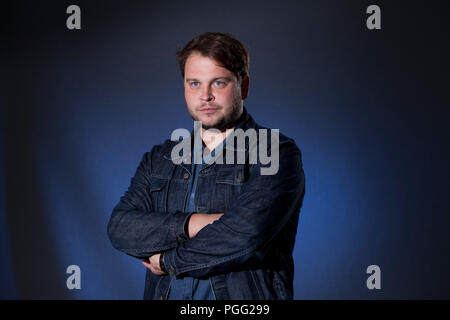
(222,47)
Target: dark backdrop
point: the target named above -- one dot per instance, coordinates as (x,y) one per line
(369,110)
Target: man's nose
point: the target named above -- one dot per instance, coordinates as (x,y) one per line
(207,94)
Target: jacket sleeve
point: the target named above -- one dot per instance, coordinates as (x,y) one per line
(135,228)
(260,211)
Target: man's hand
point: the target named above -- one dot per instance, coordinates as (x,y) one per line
(152,264)
(198,221)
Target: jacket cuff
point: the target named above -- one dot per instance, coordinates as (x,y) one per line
(186,225)
(168,262)
(179,225)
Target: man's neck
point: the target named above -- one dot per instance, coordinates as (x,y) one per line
(211,139)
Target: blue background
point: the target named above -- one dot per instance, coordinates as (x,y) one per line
(368,109)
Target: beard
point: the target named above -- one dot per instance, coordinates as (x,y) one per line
(226,121)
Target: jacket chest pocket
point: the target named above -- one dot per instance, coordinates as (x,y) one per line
(158,193)
(228,186)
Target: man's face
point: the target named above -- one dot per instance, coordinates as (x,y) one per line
(213,94)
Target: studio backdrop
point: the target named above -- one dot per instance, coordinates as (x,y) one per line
(367,105)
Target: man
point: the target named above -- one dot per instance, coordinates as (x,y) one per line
(213,230)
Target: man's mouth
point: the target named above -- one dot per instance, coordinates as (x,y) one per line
(208,110)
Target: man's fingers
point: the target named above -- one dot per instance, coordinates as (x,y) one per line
(146,263)
(155,270)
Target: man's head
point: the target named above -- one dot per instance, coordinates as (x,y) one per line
(214,67)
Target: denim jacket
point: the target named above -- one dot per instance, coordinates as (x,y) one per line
(247,253)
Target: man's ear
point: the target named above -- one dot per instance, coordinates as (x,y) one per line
(245,85)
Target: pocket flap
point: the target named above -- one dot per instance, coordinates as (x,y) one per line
(233,176)
(157,184)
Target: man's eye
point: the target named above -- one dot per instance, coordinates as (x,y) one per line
(194,84)
(219,83)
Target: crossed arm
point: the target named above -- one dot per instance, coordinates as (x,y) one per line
(196,222)
(216,243)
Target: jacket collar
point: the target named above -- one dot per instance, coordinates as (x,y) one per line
(245,122)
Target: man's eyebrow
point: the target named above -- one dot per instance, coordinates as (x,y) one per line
(218,78)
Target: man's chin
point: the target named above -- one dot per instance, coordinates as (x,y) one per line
(211,124)
(219,123)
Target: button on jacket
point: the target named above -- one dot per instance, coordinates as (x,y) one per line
(188,288)
(247,253)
